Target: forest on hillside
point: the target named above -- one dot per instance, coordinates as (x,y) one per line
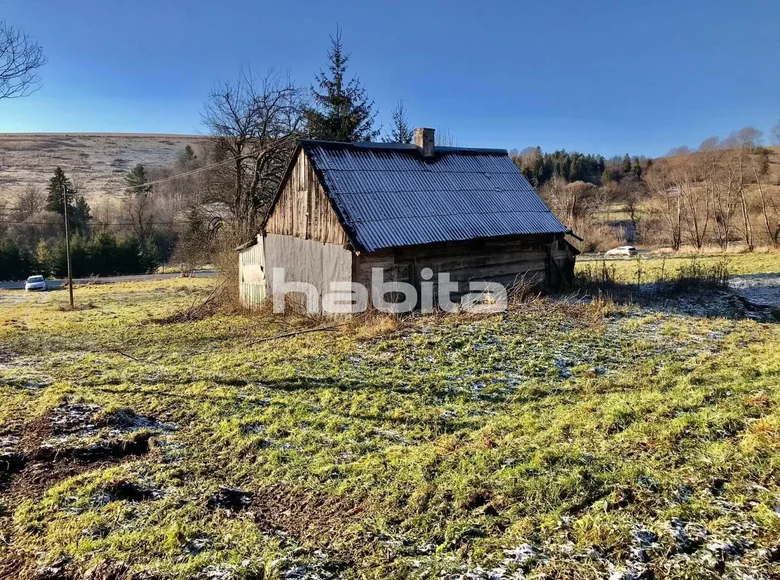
(724,194)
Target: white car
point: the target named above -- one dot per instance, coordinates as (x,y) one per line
(36,283)
(629,251)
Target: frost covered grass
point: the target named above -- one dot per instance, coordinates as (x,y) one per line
(556,440)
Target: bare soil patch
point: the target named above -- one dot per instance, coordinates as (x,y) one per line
(67,441)
(313,518)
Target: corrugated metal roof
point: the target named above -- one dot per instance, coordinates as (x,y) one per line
(391,196)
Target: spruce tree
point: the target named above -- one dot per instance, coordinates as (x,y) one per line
(61,188)
(136,180)
(626,164)
(81,216)
(400,131)
(342,110)
(637,167)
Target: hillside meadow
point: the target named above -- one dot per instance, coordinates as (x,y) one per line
(97,162)
(573,438)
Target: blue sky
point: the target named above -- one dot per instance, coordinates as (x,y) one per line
(611,76)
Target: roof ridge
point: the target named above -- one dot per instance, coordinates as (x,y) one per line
(407,147)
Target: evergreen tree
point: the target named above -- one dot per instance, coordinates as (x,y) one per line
(187,156)
(400,131)
(626,164)
(60,188)
(564,165)
(533,167)
(342,110)
(15,262)
(577,168)
(763,161)
(81,216)
(637,168)
(136,180)
(140,207)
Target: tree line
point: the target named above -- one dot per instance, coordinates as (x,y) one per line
(540,167)
(32,232)
(723,193)
(103,254)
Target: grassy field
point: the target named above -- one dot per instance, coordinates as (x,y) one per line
(655,267)
(557,440)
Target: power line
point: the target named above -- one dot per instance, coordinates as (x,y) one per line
(186,173)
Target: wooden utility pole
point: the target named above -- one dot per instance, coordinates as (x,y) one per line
(67,241)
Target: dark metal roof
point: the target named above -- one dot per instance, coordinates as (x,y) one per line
(389,195)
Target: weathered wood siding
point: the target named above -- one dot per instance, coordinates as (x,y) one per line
(304,210)
(515,261)
(562,259)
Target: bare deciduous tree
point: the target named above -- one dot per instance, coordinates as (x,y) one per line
(139,203)
(776,133)
(30,202)
(20,59)
(681,150)
(445,138)
(667,201)
(719,188)
(695,200)
(742,145)
(255,123)
(767,203)
(571,201)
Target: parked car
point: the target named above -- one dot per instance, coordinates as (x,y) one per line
(36,283)
(630,251)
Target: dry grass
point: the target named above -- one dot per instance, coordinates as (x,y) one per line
(97,163)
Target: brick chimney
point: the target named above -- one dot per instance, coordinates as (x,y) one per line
(424,139)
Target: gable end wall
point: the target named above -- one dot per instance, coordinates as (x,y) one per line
(303,209)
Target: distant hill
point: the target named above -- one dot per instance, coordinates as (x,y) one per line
(97,162)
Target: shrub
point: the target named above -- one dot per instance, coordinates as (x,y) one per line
(697,276)
(596,275)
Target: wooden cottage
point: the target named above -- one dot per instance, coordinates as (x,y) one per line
(343,209)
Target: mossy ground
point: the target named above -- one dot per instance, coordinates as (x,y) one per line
(561,440)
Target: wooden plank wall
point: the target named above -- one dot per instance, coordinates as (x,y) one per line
(562,270)
(509,262)
(303,210)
